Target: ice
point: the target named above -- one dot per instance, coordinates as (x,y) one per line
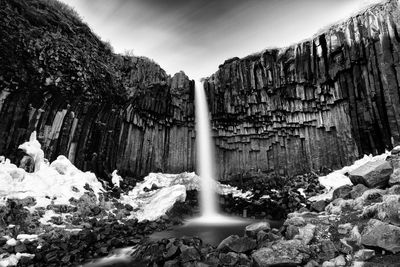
(169,188)
(115,178)
(161,202)
(24,237)
(49,184)
(11,242)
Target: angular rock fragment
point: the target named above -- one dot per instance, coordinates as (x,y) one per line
(372,174)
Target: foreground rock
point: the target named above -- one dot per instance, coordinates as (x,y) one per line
(282,252)
(372,174)
(382,235)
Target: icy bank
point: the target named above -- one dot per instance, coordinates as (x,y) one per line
(53,183)
(158,192)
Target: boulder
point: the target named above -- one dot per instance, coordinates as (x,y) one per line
(296,221)
(344,229)
(282,252)
(291,232)
(306,233)
(252,229)
(328,250)
(358,190)
(388,210)
(372,174)
(190,254)
(395,177)
(342,192)
(228,259)
(364,254)
(237,244)
(318,206)
(383,235)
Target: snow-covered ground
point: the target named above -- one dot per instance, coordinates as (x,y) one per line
(338,178)
(58,182)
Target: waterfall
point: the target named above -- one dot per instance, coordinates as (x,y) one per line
(205,154)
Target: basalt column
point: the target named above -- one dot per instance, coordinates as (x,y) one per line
(320,103)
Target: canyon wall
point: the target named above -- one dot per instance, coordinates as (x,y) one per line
(320,103)
(103,111)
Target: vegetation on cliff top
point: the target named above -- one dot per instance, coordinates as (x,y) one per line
(47,49)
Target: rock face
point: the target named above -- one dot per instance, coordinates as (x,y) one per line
(103,111)
(318,103)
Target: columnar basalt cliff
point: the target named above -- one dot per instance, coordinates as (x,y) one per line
(320,103)
(102,110)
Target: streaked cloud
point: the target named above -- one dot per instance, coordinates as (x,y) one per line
(198,35)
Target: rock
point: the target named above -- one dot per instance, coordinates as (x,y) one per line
(190,254)
(394,190)
(339,261)
(383,235)
(244,260)
(364,254)
(344,247)
(342,192)
(312,263)
(387,210)
(228,259)
(328,250)
(291,231)
(172,263)
(172,251)
(237,244)
(395,150)
(296,221)
(344,229)
(318,206)
(328,264)
(261,236)
(282,252)
(358,190)
(306,233)
(395,177)
(252,229)
(212,259)
(20,248)
(372,174)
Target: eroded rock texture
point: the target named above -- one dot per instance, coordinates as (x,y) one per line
(319,103)
(101,110)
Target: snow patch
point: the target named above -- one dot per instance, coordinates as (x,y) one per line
(49,184)
(168,189)
(338,178)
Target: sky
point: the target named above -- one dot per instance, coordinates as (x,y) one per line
(196,36)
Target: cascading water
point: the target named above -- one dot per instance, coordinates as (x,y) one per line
(205,155)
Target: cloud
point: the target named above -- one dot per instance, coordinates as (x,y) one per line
(198,35)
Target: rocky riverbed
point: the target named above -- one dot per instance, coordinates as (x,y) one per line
(351,222)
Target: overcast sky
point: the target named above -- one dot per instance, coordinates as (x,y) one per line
(198,35)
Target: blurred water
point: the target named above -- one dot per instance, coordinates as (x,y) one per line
(205,154)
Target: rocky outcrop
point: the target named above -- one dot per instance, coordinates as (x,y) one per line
(103,111)
(322,102)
